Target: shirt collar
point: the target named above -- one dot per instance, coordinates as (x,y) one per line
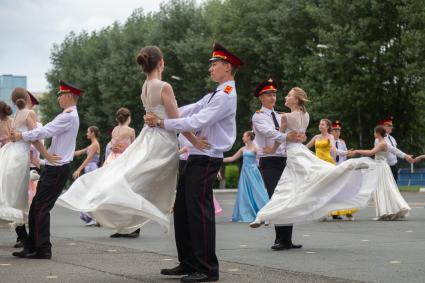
(221,86)
(267,110)
(70,108)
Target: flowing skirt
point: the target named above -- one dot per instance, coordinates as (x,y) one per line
(252,194)
(390,205)
(134,189)
(14,179)
(310,188)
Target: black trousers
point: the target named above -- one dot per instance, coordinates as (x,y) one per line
(394,170)
(194,217)
(49,188)
(271,169)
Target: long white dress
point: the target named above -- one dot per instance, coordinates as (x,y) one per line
(310,188)
(390,205)
(14,175)
(139,185)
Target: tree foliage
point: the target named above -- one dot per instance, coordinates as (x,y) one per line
(358,60)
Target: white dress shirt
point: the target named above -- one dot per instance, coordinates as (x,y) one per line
(211,119)
(341,151)
(393,152)
(266,133)
(63,130)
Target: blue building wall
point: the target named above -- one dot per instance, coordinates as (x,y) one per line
(8,83)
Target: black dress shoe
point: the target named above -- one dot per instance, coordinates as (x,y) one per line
(22,253)
(198,277)
(134,234)
(281,247)
(18,245)
(39,255)
(176,271)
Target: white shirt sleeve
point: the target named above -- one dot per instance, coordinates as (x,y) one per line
(396,151)
(191,109)
(220,106)
(59,125)
(265,129)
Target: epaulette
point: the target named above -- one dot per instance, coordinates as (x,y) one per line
(228,89)
(259,111)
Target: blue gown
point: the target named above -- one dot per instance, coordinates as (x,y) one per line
(252,194)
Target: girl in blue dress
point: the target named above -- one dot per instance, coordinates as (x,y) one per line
(252,194)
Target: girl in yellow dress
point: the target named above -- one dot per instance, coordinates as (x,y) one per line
(324,144)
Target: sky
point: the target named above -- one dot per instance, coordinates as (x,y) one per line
(29,28)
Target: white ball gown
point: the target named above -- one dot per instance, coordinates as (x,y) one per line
(14,175)
(139,185)
(310,188)
(390,205)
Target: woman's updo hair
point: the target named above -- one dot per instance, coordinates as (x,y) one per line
(381,131)
(250,134)
(328,123)
(20,97)
(148,58)
(5,109)
(122,115)
(302,97)
(95,131)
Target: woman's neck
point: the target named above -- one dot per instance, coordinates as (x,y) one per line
(155,74)
(294,108)
(324,134)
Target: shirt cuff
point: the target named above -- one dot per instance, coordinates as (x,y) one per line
(25,136)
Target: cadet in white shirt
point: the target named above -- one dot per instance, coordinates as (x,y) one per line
(266,125)
(393,152)
(63,131)
(212,118)
(340,146)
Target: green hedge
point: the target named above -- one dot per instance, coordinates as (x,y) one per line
(232,176)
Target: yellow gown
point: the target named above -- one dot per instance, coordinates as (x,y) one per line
(323,151)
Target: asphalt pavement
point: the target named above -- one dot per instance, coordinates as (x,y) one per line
(334,251)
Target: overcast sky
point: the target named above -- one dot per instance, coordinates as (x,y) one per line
(29,28)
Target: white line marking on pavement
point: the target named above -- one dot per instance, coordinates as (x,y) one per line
(111,251)
(233,270)
(168,259)
(306,235)
(310,252)
(5,264)
(365,240)
(395,262)
(408,231)
(243,246)
(71,244)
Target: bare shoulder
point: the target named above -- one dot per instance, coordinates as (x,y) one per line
(167,88)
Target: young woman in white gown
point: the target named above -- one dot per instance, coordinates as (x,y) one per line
(390,205)
(310,187)
(139,185)
(15,161)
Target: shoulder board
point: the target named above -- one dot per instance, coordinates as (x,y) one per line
(259,111)
(228,89)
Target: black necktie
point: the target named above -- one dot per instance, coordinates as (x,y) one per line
(337,156)
(212,95)
(276,124)
(389,137)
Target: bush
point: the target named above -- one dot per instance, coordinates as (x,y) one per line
(232,176)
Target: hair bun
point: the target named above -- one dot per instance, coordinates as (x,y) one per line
(21,103)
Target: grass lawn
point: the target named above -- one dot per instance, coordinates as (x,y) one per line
(409,188)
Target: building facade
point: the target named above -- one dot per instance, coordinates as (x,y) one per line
(8,83)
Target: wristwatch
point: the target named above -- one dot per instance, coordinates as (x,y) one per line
(158,123)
